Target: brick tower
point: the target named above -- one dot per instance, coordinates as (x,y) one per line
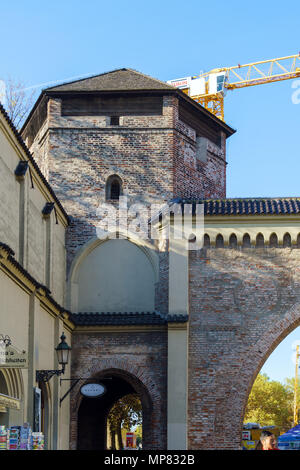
(125,134)
(158,142)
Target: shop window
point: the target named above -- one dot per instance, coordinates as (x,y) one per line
(3,385)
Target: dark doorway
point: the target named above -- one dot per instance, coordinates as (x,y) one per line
(93,412)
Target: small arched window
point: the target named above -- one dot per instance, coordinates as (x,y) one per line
(206,241)
(219,241)
(233,241)
(246,241)
(113,188)
(287,242)
(260,241)
(273,242)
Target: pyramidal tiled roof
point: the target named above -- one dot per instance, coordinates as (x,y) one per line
(244,206)
(121,79)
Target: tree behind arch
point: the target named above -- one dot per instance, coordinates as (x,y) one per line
(125,413)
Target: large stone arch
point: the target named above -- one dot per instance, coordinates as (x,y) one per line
(140,381)
(243,303)
(235,402)
(147,266)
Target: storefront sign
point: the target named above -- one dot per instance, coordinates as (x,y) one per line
(92,390)
(246,435)
(9,402)
(10,357)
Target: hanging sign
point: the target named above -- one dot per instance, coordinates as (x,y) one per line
(92,390)
(10,357)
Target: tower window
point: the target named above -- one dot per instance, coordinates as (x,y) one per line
(115,121)
(113,187)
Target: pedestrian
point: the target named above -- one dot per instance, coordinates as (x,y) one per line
(268,441)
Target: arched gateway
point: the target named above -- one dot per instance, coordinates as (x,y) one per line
(89,416)
(194,327)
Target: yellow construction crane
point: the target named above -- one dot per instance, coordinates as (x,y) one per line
(209,88)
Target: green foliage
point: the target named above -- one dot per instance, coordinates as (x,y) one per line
(271,403)
(125,414)
(127,411)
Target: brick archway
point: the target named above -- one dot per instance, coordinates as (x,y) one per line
(234,403)
(140,382)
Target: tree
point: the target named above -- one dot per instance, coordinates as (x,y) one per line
(290,387)
(125,413)
(17,100)
(139,434)
(270,403)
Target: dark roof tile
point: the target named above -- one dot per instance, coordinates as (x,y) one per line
(125,318)
(123,79)
(243,206)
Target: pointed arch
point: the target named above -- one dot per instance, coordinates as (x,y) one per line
(287,240)
(273,241)
(219,241)
(101,266)
(246,241)
(260,241)
(233,241)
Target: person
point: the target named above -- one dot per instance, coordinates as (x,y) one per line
(268,441)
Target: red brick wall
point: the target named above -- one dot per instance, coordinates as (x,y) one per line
(141,358)
(242,304)
(155,156)
(193,176)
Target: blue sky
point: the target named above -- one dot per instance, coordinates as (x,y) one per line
(47,41)
(281,363)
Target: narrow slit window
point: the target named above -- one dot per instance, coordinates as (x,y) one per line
(115,121)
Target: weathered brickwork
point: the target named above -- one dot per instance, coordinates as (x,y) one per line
(242,304)
(142,357)
(162,286)
(198,174)
(155,157)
